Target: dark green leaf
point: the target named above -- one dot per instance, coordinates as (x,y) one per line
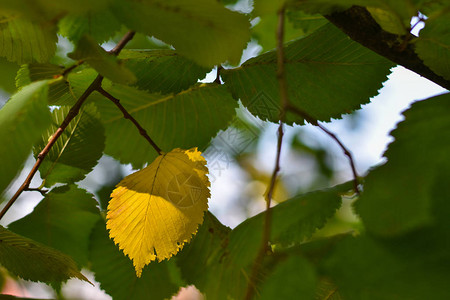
(214,252)
(292,278)
(46,12)
(328,75)
(23,41)
(185,120)
(202,30)
(308,23)
(415,267)
(162,71)
(7,71)
(101,25)
(64,218)
(32,261)
(116,273)
(103,62)
(433,45)
(77,150)
(22,120)
(398,196)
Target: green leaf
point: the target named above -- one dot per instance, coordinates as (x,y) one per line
(308,23)
(292,278)
(414,267)
(25,115)
(100,25)
(7,71)
(77,150)
(185,120)
(207,255)
(23,41)
(202,30)
(388,20)
(162,71)
(264,32)
(433,45)
(65,218)
(32,261)
(328,75)
(398,196)
(401,10)
(116,273)
(103,62)
(59,92)
(293,221)
(44,11)
(214,252)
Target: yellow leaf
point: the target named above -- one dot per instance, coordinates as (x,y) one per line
(154,211)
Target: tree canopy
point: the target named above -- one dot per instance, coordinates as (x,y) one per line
(130,88)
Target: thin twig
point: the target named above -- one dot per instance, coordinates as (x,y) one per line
(73,112)
(347,152)
(217,80)
(41,191)
(123,42)
(127,115)
(265,242)
(70,69)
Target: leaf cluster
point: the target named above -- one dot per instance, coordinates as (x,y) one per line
(401,250)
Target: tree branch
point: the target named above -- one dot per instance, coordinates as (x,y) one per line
(347,152)
(265,241)
(127,115)
(359,25)
(73,112)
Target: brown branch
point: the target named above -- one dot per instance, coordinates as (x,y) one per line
(265,241)
(359,25)
(217,80)
(347,152)
(73,112)
(127,115)
(123,42)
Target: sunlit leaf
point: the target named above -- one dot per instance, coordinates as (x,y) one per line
(154,211)
(65,218)
(25,115)
(33,261)
(103,62)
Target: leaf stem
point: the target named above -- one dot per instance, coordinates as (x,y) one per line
(41,191)
(284,99)
(73,112)
(127,115)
